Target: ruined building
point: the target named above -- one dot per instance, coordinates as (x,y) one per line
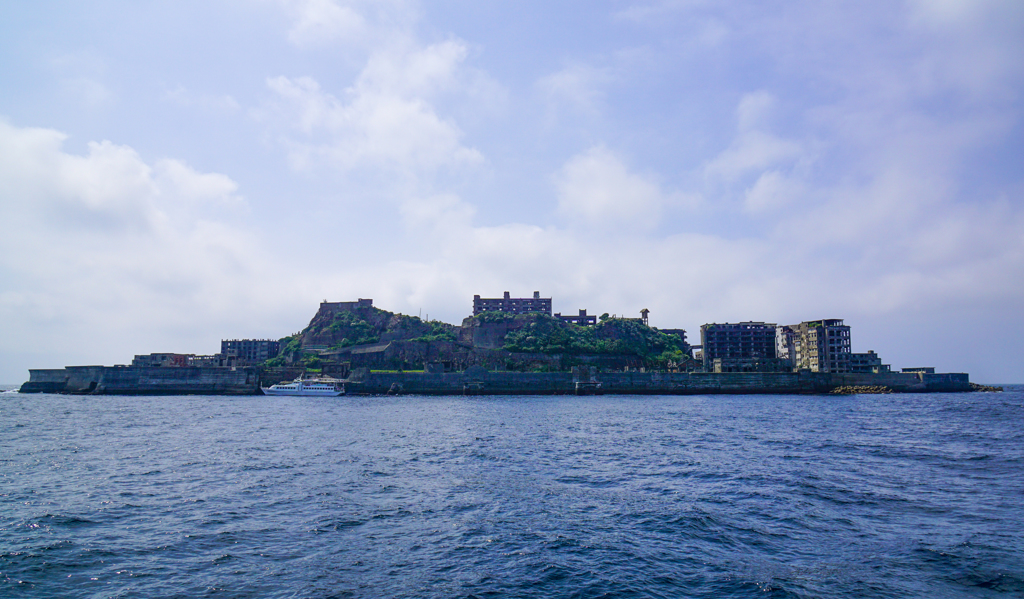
(868,363)
(816,345)
(583,319)
(512,305)
(249,351)
(739,347)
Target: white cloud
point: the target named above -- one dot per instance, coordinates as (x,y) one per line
(772,191)
(107,242)
(385,119)
(318,21)
(315,23)
(108,188)
(597,188)
(577,87)
(753,151)
(409,71)
(754,148)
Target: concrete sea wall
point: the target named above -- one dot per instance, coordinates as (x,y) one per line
(479,382)
(132,380)
(143,380)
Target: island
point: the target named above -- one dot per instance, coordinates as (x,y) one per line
(515,346)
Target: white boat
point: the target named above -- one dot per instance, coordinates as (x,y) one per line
(321,387)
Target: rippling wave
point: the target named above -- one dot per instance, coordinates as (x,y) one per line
(725,496)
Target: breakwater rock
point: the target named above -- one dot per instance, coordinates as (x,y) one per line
(860,389)
(985,388)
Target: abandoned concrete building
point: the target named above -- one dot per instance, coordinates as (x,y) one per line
(868,363)
(166,360)
(583,319)
(737,347)
(327,307)
(512,305)
(249,351)
(816,345)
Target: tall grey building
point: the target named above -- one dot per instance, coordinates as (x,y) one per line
(737,341)
(816,345)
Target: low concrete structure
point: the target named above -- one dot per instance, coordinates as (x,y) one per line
(166,360)
(143,380)
(583,319)
(869,362)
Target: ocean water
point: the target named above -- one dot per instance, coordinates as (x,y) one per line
(702,496)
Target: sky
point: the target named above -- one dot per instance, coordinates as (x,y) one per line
(174,173)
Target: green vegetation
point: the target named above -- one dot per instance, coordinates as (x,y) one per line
(439,331)
(497,316)
(275,362)
(612,336)
(311,361)
(291,343)
(352,329)
(548,343)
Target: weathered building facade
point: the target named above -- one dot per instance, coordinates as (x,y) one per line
(165,360)
(249,351)
(512,305)
(583,319)
(868,363)
(731,342)
(816,345)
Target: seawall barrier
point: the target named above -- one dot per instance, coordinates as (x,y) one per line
(480,382)
(143,380)
(135,380)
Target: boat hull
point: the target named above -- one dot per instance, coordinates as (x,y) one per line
(307,388)
(302,393)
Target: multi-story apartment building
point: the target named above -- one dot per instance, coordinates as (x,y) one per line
(512,305)
(816,345)
(734,342)
(249,351)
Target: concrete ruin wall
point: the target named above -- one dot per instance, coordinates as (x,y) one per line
(477,381)
(130,380)
(143,380)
